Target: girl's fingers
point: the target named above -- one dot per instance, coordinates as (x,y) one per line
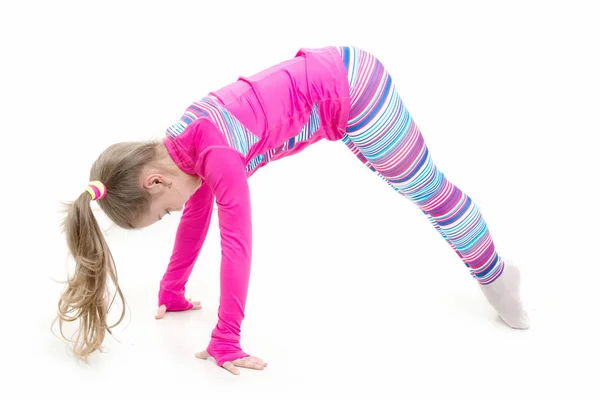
(195,303)
(160,313)
(229,366)
(248,363)
(257,360)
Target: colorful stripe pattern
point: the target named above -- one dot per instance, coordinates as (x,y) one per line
(382,134)
(307,131)
(236,135)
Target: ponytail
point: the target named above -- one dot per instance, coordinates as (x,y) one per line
(86,296)
(115,185)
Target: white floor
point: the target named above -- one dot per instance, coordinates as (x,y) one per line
(337,309)
(352,292)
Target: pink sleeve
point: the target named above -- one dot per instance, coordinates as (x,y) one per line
(191,233)
(222,168)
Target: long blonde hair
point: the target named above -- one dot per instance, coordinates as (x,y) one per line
(86,296)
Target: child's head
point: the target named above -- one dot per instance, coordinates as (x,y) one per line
(142,183)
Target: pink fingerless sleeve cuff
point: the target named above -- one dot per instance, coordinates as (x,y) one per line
(173,301)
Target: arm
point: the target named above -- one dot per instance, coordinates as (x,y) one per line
(191,233)
(223,170)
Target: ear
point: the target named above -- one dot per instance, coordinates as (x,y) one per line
(154,182)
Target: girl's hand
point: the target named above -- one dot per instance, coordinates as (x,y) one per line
(192,305)
(249,362)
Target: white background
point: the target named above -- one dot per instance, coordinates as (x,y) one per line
(352,290)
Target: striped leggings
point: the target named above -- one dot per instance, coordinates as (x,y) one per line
(382,134)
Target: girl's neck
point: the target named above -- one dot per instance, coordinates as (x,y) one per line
(165,160)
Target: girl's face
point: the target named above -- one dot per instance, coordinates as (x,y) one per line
(170,193)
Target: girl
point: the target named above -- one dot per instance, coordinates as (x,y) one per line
(333,93)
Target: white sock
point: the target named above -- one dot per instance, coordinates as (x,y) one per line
(503,295)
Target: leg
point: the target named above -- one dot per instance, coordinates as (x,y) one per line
(383,135)
(350,144)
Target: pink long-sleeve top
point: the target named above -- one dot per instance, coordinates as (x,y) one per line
(224,139)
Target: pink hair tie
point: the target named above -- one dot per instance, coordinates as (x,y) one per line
(96,189)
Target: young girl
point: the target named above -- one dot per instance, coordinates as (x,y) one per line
(333,93)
